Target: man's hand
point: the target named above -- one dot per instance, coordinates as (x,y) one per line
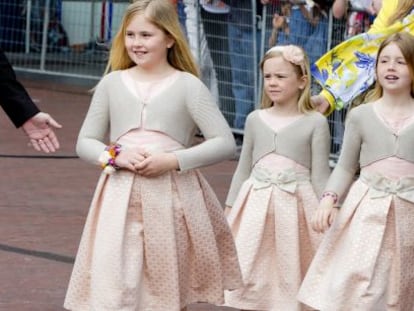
(39,129)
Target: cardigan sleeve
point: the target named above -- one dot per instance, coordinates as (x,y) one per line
(320,148)
(219,142)
(348,163)
(245,164)
(94,130)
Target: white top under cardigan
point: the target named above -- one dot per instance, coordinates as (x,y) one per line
(177,111)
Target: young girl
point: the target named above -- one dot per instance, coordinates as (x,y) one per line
(365,261)
(156,237)
(283,167)
(347,70)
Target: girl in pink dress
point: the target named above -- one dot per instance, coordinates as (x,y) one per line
(156,237)
(282,169)
(366,259)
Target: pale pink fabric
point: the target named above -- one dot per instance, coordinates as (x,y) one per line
(274,240)
(376,220)
(165,246)
(365,261)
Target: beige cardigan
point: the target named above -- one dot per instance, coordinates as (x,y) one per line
(178,111)
(306,141)
(366,140)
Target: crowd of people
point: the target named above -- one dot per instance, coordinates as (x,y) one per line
(293,235)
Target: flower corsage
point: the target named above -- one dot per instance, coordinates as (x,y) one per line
(107,158)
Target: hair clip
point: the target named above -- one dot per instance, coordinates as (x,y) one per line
(292,54)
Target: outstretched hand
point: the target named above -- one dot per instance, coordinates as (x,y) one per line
(39,129)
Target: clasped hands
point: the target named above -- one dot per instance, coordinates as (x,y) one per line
(146,163)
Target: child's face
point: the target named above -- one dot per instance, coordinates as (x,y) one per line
(393,73)
(281,82)
(145,43)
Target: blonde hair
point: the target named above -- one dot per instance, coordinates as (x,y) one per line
(162,14)
(403,8)
(405,42)
(301,69)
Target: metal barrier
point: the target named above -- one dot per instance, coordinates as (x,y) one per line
(71,38)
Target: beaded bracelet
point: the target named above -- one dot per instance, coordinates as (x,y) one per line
(331,194)
(107,158)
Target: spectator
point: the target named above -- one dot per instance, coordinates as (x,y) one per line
(307,24)
(242,26)
(214,23)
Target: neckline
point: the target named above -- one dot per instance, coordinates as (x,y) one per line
(131,85)
(387,125)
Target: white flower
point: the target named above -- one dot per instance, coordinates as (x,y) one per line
(109,170)
(104,157)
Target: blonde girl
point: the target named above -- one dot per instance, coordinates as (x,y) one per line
(156,237)
(282,170)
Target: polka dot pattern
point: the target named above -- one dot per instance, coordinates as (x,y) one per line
(153,244)
(275,244)
(365,261)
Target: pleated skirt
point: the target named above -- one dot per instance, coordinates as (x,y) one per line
(153,244)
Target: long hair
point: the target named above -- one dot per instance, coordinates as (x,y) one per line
(162,14)
(403,8)
(405,42)
(304,102)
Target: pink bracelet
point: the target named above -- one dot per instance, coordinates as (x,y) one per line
(331,194)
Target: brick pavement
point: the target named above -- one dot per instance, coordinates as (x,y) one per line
(44,201)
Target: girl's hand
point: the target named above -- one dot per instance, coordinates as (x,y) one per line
(128,158)
(157,164)
(324,215)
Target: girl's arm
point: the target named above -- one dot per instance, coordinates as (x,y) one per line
(218,145)
(245,164)
(342,176)
(320,148)
(219,142)
(90,143)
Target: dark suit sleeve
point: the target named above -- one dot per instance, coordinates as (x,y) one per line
(14,99)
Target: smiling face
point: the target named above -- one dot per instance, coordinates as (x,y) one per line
(393,72)
(146,44)
(282,84)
